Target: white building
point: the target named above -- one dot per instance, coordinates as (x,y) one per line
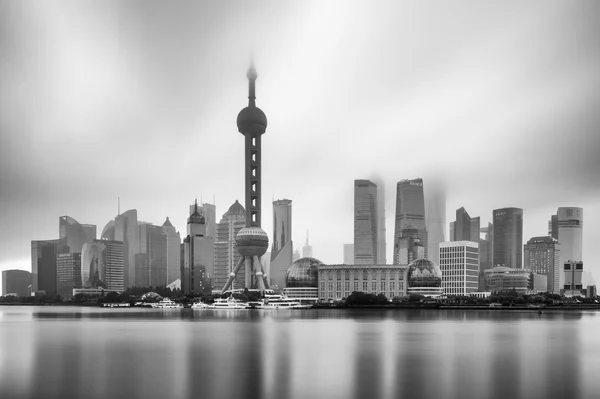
(570,235)
(459,262)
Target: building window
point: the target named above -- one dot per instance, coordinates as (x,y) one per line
(356,286)
(383,286)
(347,288)
(365,287)
(392,288)
(338,289)
(374,287)
(330,288)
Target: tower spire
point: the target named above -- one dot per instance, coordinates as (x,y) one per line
(251,75)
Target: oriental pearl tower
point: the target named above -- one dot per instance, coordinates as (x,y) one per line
(252,241)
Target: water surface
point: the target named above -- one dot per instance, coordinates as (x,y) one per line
(62,352)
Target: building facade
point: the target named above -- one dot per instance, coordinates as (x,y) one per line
(501,278)
(75,233)
(197,271)
(508,237)
(173,255)
(365,223)
(338,281)
(226,254)
(573,271)
(125,229)
(410,212)
(151,261)
(103,265)
(459,263)
(282,248)
(542,256)
(68,273)
(43,264)
(435,222)
(16,282)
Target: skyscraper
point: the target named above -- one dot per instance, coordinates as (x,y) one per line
(570,236)
(542,256)
(75,233)
(366,231)
(410,212)
(348,254)
(43,264)
(197,272)
(307,251)
(68,273)
(508,237)
(103,265)
(226,255)
(435,222)
(151,260)
(173,251)
(381,229)
(209,211)
(282,248)
(125,229)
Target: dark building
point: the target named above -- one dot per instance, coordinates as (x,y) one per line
(151,261)
(68,273)
(75,233)
(365,223)
(43,264)
(16,282)
(508,237)
(410,211)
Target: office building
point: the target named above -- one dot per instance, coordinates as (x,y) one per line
(570,233)
(410,212)
(409,247)
(43,264)
(338,281)
(365,223)
(125,228)
(173,254)
(508,237)
(151,260)
(573,271)
(459,263)
(75,233)
(197,271)
(465,228)
(209,211)
(16,282)
(68,273)
(501,278)
(542,256)
(307,251)
(103,265)
(435,222)
(348,254)
(226,254)
(282,247)
(381,230)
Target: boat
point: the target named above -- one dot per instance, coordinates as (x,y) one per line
(166,303)
(200,305)
(281,302)
(228,303)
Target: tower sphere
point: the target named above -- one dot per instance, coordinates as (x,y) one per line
(252,241)
(252,120)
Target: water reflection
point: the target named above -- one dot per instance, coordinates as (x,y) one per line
(146,353)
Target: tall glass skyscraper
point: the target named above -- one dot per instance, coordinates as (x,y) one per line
(102,265)
(283,248)
(173,251)
(508,237)
(366,218)
(226,254)
(410,211)
(75,233)
(43,264)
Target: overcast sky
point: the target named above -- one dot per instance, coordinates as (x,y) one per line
(498,101)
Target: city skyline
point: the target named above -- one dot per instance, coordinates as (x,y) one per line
(419,98)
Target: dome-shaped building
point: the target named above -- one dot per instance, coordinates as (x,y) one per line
(424,277)
(301,279)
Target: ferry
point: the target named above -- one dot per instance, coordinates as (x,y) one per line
(200,305)
(228,303)
(281,302)
(166,303)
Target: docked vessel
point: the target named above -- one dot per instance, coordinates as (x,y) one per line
(166,303)
(200,305)
(281,302)
(227,303)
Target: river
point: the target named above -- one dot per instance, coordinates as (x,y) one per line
(66,352)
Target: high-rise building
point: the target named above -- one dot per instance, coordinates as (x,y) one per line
(435,223)
(226,254)
(209,211)
(151,261)
(542,256)
(103,265)
(68,273)
(348,254)
(570,233)
(508,237)
(366,231)
(75,233)
(125,229)
(486,253)
(381,229)
(409,246)
(197,273)
(43,264)
(459,262)
(553,227)
(466,228)
(282,248)
(173,251)
(410,212)
(307,251)
(16,282)
(573,272)
(452,231)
